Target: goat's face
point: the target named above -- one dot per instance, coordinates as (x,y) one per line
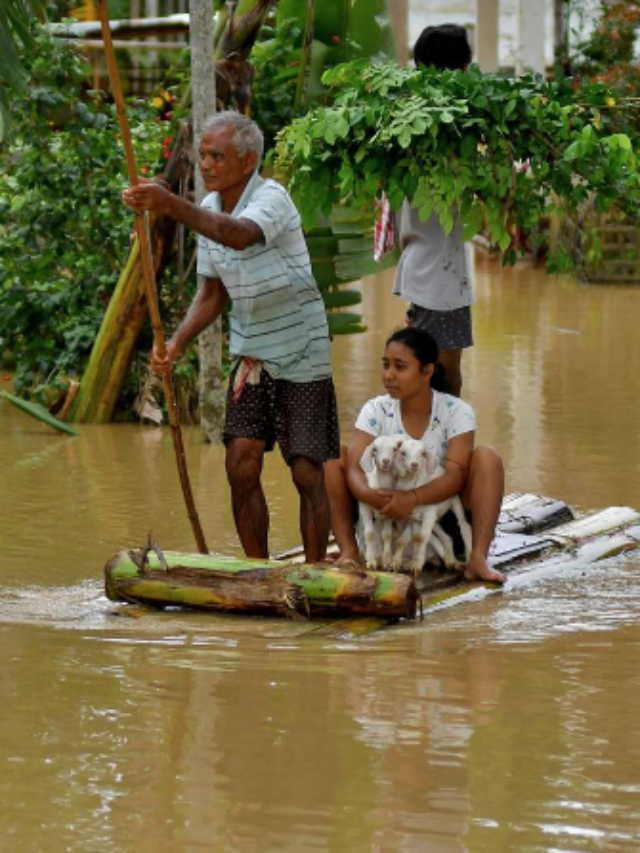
(380,454)
(411,457)
(383,456)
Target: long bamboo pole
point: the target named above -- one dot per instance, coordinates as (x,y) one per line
(142,227)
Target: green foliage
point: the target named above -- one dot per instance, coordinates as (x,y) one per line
(64,232)
(611,39)
(601,57)
(605,59)
(274,86)
(342,30)
(500,151)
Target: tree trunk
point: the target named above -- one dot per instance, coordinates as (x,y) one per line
(399,13)
(561,35)
(203,88)
(244,585)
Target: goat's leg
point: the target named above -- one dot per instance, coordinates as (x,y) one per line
(402,540)
(465,527)
(443,545)
(386,534)
(370,536)
(420,539)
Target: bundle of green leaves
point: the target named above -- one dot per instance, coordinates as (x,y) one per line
(498,152)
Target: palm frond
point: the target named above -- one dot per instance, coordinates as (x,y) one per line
(16,17)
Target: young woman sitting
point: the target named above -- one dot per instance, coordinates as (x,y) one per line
(415,405)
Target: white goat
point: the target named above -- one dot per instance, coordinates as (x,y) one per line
(414,466)
(375,530)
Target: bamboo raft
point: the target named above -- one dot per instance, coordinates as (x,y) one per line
(533,533)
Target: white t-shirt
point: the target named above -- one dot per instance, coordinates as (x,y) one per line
(450,417)
(435,269)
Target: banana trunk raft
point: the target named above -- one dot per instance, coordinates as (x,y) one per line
(533,533)
(241,585)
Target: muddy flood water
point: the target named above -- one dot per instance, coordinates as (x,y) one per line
(508,723)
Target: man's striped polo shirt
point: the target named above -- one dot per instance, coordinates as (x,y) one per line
(277,313)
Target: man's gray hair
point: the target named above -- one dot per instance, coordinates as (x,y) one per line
(247,137)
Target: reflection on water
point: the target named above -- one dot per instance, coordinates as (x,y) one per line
(505,724)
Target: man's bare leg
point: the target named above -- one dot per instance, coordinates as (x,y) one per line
(315,519)
(343,509)
(244,469)
(451,360)
(483,496)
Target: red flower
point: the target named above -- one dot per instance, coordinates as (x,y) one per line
(335,39)
(6,378)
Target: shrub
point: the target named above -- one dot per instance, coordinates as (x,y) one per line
(64,233)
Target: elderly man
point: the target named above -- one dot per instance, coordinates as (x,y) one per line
(251,252)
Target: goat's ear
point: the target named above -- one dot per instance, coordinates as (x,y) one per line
(366,460)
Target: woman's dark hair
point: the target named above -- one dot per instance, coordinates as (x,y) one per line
(423,346)
(445,47)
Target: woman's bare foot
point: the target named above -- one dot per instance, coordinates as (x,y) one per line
(478,569)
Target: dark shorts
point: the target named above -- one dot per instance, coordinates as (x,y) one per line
(451,330)
(302,417)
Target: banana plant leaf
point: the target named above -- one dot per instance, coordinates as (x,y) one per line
(39,412)
(15,19)
(345,323)
(341,250)
(341,298)
(346,28)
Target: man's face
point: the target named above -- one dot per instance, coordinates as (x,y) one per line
(223,169)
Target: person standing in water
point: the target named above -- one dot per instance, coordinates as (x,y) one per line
(435,271)
(252,253)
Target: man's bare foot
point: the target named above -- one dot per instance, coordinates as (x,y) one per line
(343,563)
(478,569)
(342,557)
